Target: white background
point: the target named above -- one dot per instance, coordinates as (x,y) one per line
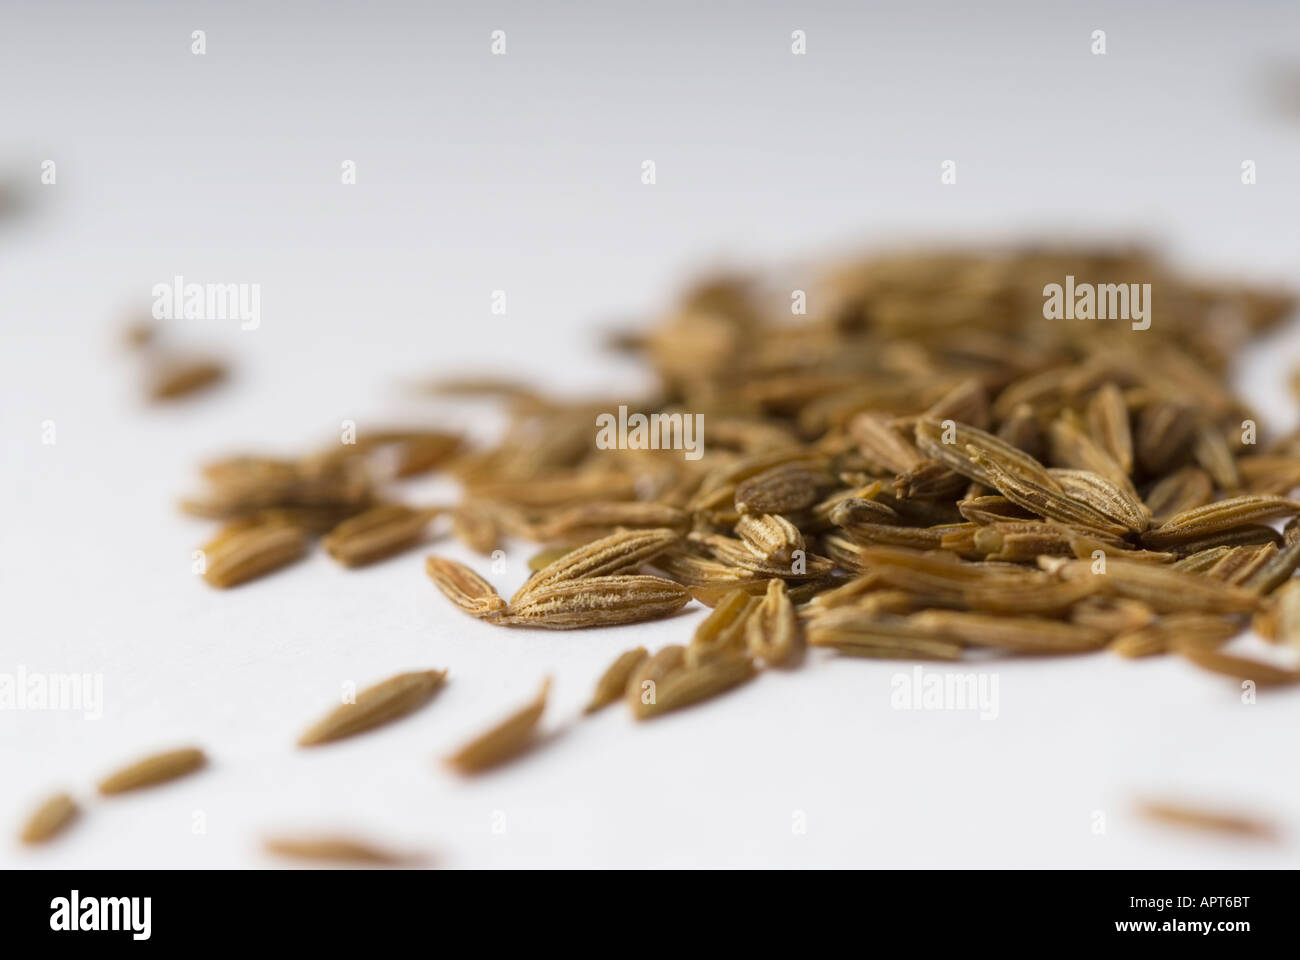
(521,173)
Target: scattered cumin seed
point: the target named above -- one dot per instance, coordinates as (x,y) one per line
(376,534)
(338,849)
(154,769)
(241,555)
(1237,825)
(465,588)
(375,706)
(50,819)
(596,602)
(176,378)
(613,683)
(512,736)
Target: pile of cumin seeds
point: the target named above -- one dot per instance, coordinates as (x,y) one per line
(921,467)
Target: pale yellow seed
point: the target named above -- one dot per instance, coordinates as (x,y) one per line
(244,555)
(617,553)
(376,534)
(597,602)
(337,849)
(463,587)
(1214,821)
(50,819)
(613,683)
(512,736)
(376,705)
(155,769)
(772,629)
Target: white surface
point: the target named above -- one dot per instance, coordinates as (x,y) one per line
(521,173)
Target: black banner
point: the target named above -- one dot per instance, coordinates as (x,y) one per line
(334,909)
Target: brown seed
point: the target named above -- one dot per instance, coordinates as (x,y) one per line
(375,706)
(1214,821)
(992,509)
(1112,616)
(736,553)
(1277,570)
(182,377)
(476,527)
(881,442)
(1215,518)
(618,553)
(589,521)
(597,602)
(967,402)
(864,634)
(772,630)
(1163,589)
(1212,452)
(1108,422)
(1072,447)
(1040,499)
(613,683)
(928,480)
(50,819)
(722,632)
(337,849)
(782,489)
(1200,630)
(1021,634)
(688,685)
(465,588)
(701,572)
(1286,609)
(953,444)
(242,555)
(1111,500)
(154,769)
(645,679)
(1164,434)
(770,537)
(419,452)
(512,736)
(375,534)
(1262,674)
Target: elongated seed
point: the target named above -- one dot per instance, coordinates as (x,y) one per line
(772,629)
(375,534)
(246,554)
(376,705)
(617,553)
(513,735)
(1218,517)
(722,632)
(333,848)
(475,525)
(1214,821)
(772,538)
(597,602)
(465,588)
(688,684)
(613,683)
(1262,674)
(154,769)
(49,819)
